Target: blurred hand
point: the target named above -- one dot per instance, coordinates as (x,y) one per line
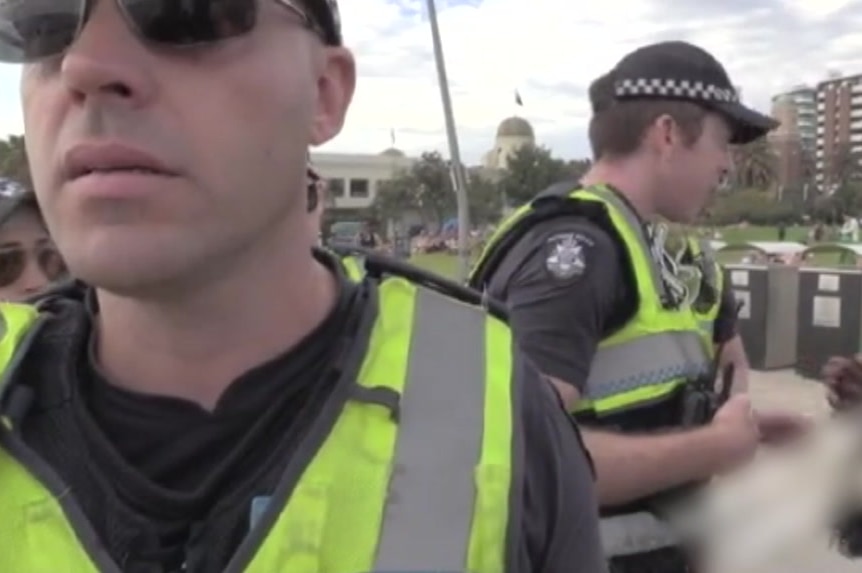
(843,379)
(779,427)
(736,424)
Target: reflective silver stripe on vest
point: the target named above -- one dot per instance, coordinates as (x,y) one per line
(429,515)
(636,225)
(646,361)
(635,533)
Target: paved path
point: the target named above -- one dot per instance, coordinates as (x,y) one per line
(787,390)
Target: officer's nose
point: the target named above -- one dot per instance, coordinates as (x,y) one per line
(107,60)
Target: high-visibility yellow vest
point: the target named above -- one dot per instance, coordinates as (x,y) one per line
(706,310)
(352,261)
(354,267)
(659,349)
(414,473)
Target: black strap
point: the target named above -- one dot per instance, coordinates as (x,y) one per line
(559,190)
(16,400)
(380,396)
(378,266)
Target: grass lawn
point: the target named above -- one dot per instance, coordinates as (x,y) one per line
(447,265)
(439,263)
(742,234)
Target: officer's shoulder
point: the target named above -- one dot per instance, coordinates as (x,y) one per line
(571,224)
(37,331)
(60,308)
(568,247)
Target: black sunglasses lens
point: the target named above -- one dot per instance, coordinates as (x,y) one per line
(12,263)
(189,22)
(33,30)
(52,264)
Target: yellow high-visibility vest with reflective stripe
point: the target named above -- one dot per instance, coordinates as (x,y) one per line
(413,472)
(658,350)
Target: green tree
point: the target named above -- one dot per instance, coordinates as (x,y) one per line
(529,171)
(485,199)
(755,165)
(13,160)
(577,168)
(426,187)
(846,178)
(435,193)
(394,197)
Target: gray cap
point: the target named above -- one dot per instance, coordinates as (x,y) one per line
(11,204)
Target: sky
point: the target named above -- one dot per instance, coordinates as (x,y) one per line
(550,51)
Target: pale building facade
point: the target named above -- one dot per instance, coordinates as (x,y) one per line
(353,179)
(513,133)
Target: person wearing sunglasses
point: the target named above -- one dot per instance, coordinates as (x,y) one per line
(213,394)
(29,262)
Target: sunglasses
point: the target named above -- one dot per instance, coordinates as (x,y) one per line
(14,260)
(35,30)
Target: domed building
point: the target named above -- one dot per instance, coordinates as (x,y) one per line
(393,152)
(512,134)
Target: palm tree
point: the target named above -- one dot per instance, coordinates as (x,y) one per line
(754,165)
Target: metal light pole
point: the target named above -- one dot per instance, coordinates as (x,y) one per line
(454,152)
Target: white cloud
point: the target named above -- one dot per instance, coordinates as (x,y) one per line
(820,9)
(10,107)
(550,50)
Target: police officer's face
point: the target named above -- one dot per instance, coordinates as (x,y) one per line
(214,135)
(694,172)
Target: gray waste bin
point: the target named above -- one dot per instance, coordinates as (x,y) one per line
(767,320)
(830,317)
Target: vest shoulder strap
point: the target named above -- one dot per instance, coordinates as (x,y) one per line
(378,266)
(19,325)
(556,201)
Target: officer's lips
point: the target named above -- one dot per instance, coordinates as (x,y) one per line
(112,169)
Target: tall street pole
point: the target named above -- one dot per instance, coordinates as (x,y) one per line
(458,175)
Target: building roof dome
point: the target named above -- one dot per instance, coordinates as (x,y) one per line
(393,152)
(515,127)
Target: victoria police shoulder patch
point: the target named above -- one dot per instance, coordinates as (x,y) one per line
(567,255)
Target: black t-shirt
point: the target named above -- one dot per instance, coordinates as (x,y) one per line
(560,311)
(162,481)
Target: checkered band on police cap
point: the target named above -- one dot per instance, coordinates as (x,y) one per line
(674,88)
